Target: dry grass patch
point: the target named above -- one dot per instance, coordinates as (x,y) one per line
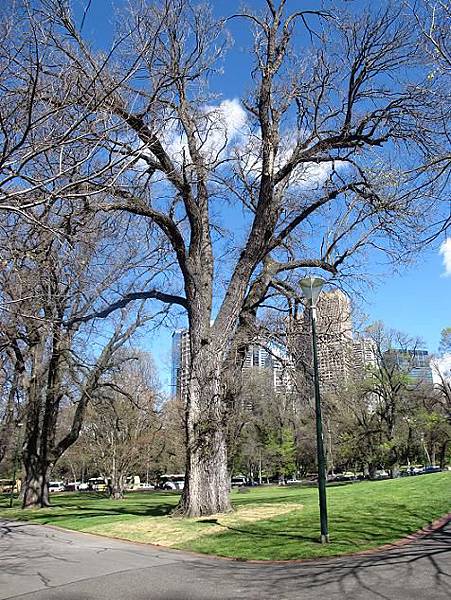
(171,532)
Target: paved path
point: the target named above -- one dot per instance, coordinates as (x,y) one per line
(41,563)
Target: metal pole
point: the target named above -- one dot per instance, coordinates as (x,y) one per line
(319,437)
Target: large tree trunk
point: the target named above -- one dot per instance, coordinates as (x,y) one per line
(116,488)
(207,484)
(117,481)
(36,488)
(35,485)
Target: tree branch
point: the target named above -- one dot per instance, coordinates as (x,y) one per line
(127,299)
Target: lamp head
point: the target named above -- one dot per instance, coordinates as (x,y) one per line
(311,288)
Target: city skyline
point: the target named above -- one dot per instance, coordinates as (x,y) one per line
(344,354)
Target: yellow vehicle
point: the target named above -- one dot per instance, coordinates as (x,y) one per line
(97,484)
(6,485)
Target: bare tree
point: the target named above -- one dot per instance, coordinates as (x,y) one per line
(432,20)
(49,284)
(122,425)
(389,394)
(327,161)
(441,368)
(171,438)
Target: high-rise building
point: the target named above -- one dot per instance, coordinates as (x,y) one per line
(272,359)
(364,355)
(334,336)
(341,357)
(416,363)
(257,357)
(180,363)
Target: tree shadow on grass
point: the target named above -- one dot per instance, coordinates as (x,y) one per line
(91,506)
(346,532)
(92,512)
(419,569)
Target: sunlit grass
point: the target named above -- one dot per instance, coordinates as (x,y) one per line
(269,522)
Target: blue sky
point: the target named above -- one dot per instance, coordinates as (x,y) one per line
(416,300)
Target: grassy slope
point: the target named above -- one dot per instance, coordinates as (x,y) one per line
(361,516)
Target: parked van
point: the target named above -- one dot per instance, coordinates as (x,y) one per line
(238,481)
(133,482)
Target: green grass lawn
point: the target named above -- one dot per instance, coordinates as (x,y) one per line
(269,522)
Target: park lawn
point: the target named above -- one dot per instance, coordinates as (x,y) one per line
(269,523)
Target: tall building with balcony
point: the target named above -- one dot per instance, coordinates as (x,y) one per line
(274,359)
(271,359)
(364,355)
(341,355)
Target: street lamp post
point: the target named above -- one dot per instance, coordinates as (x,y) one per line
(311,287)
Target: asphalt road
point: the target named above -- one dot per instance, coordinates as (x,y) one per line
(42,563)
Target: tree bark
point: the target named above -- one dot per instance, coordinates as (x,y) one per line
(206,490)
(117,487)
(36,487)
(117,480)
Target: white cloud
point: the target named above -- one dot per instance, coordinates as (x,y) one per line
(441,367)
(226,124)
(445,251)
(219,128)
(305,177)
(225,132)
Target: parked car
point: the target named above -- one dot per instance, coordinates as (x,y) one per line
(83,487)
(132,482)
(417,470)
(72,486)
(146,486)
(6,485)
(56,486)
(381,474)
(348,476)
(97,484)
(238,481)
(172,482)
(432,469)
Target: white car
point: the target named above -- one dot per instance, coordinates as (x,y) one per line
(172,482)
(238,481)
(381,474)
(71,486)
(146,486)
(56,486)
